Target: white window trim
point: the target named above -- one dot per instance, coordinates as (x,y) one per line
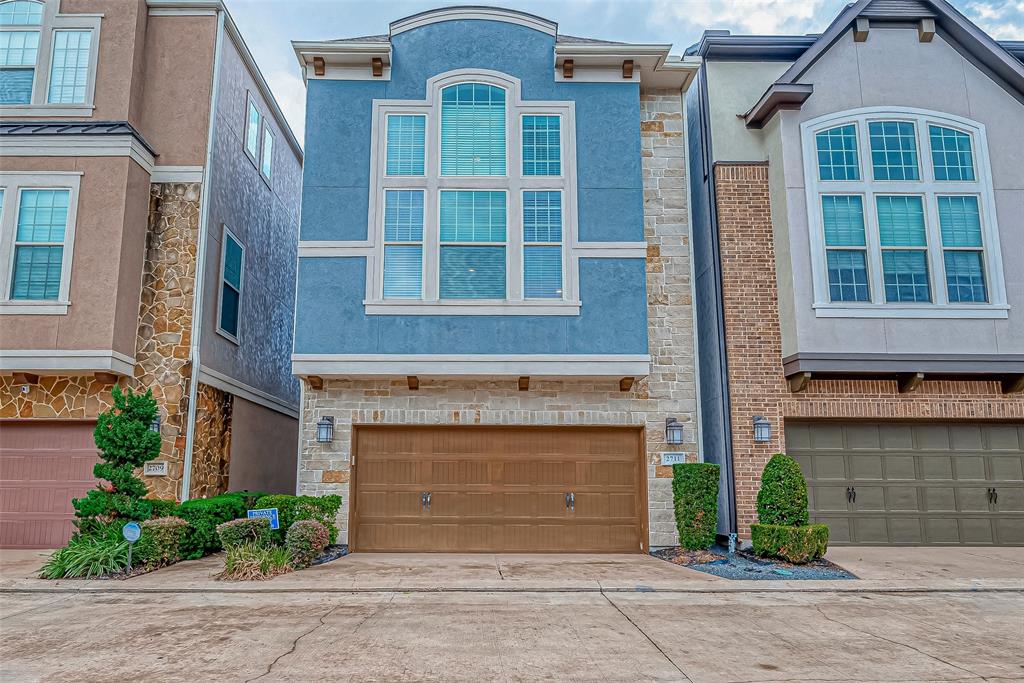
(254,158)
(928,188)
(234,338)
(513,183)
(267,130)
(54,21)
(12,184)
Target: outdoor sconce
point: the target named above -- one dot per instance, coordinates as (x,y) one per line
(325,430)
(154,426)
(762,430)
(673,431)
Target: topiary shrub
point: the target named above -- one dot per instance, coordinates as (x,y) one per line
(695,492)
(125,441)
(291,509)
(305,540)
(782,499)
(796,544)
(255,531)
(160,543)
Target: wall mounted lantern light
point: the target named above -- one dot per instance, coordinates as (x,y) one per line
(673,431)
(325,430)
(154,426)
(762,430)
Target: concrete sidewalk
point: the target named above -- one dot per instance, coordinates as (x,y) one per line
(879,569)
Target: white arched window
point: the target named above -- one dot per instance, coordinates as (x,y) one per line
(473,206)
(902,217)
(47,60)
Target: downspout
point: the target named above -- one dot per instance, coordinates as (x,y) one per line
(197,294)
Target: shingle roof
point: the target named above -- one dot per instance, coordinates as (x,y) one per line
(95,128)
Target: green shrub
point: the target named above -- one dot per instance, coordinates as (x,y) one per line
(125,441)
(695,493)
(305,540)
(782,499)
(291,509)
(163,507)
(796,544)
(203,515)
(245,531)
(253,562)
(87,557)
(160,543)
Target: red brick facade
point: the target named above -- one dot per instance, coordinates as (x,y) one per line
(753,338)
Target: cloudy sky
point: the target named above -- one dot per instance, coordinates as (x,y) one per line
(270,25)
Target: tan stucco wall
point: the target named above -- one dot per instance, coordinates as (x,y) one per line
(110,236)
(264,445)
(735,87)
(174,113)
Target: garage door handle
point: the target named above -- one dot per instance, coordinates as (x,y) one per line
(995,496)
(572,502)
(428,499)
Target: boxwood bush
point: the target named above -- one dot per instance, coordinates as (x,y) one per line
(238,532)
(796,544)
(160,543)
(695,493)
(782,499)
(291,509)
(204,514)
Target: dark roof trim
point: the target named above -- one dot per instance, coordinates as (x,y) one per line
(90,128)
(778,96)
(884,363)
(1014,47)
(720,45)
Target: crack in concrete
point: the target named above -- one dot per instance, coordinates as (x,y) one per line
(497,565)
(989,557)
(33,609)
(649,639)
(896,642)
(295,644)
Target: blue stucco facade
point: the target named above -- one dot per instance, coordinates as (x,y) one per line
(330,316)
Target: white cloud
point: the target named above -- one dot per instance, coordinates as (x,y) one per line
(1001,20)
(290,93)
(746,16)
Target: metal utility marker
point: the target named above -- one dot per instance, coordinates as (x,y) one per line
(131,532)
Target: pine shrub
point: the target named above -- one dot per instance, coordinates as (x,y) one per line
(782,499)
(695,493)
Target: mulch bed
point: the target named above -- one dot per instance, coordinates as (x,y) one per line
(747,566)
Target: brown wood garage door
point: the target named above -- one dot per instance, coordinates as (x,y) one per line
(913,484)
(498,489)
(43,465)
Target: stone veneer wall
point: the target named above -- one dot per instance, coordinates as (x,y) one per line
(165,320)
(669,391)
(75,397)
(757,385)
(211,450)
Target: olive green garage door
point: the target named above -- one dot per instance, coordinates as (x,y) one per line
(913,483)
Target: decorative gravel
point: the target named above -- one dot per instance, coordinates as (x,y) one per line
(331,553)
(744,566)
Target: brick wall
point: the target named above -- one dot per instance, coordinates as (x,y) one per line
(757,385)
(669,391)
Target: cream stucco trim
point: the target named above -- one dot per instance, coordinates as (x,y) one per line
(176,174)
(471,365)
(234,387)
(78,146)
(473,307)
(61,361)
(927,188)
(473,13)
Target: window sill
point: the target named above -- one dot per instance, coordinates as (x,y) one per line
(985,311)
(227,335)
(35,110)
(481,307)
(34,307)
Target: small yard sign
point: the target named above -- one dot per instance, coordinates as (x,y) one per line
(269,513)
(155,468)
(673,458)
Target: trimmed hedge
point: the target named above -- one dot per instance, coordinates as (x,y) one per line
(796,544)
(255,531)
(291,509)
(160,543)
(782,499)
(695,493)
(305,540)
(203,516)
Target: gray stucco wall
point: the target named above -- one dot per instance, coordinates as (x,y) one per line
(264,449)
(265,219)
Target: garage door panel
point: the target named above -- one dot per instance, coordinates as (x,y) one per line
(500,489)
(1010,530)
(924,483)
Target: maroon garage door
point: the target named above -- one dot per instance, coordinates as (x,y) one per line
(43,465)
